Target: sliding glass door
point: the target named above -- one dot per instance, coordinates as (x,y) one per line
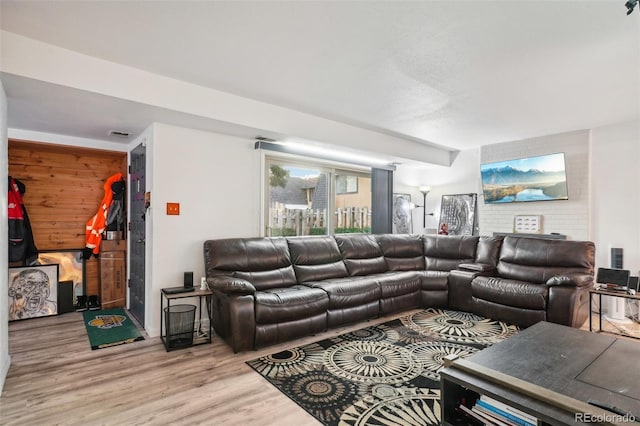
(313,199)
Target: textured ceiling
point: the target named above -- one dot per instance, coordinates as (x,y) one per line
(459,74)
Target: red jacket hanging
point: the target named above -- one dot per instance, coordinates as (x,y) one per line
(16,217)
(22,247)
(97,224)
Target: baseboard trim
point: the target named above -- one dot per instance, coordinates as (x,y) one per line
(4,371)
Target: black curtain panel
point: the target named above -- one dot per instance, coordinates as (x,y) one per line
(381,201)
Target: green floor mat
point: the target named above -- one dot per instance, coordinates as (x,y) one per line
(110,327)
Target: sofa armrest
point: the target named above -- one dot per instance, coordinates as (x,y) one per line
(460,289)
(573,279)
(481,268)
(230,285)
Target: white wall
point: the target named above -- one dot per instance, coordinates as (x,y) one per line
(570,217)
(461,178)
(216,180)
(615,201)
(5,359)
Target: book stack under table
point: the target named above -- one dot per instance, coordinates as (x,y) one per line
(488,411)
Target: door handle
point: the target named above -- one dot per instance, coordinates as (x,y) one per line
(141,241)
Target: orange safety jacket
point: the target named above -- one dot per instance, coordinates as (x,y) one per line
(97,224)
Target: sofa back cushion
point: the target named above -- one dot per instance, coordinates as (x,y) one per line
(488,250)
(316,258)
(361,254)
(265,262)
(536,259)
(446,252)
(402,252)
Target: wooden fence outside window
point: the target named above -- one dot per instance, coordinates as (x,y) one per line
(290,222)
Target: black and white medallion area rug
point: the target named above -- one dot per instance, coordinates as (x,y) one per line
(386,374)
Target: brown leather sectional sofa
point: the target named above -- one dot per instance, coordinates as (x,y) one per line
(270,290)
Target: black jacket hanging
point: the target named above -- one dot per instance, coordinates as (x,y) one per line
(115,215)
(22,247)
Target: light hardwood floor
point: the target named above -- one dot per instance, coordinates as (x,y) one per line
(56,379)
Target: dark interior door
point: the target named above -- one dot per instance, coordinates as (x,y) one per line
(137,235)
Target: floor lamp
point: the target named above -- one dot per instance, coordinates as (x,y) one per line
(424,190)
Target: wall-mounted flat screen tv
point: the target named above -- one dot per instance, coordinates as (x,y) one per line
(541,178)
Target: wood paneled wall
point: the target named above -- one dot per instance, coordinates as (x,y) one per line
(64,186)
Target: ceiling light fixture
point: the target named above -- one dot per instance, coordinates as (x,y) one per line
(339,155)
(324,154)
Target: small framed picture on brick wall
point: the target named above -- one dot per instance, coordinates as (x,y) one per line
(527,224)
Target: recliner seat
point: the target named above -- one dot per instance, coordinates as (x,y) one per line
(537,280)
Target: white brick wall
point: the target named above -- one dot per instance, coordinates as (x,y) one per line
(570,217)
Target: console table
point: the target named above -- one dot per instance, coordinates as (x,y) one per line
(601,292)
(550,360)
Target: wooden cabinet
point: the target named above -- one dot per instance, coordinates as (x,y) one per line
(113,288)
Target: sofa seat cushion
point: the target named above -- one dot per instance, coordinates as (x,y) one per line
(394,284)
(435,280)
(518,294)
(348,292)
(289,304)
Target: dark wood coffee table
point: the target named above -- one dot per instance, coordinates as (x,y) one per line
(556,360)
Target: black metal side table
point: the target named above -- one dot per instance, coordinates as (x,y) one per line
(603,292)
(199,337)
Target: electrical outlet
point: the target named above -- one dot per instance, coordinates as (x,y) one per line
(173,208)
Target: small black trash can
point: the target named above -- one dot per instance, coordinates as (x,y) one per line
(179,320)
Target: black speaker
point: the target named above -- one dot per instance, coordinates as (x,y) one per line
(65,297)
(188,279)
(616,258)
(633,284)
(619,277)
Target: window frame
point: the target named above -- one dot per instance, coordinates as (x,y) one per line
(346,183)
(333,169)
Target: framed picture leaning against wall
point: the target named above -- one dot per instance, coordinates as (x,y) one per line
(401,222)
(70,267)
(458,215)
(33,291)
